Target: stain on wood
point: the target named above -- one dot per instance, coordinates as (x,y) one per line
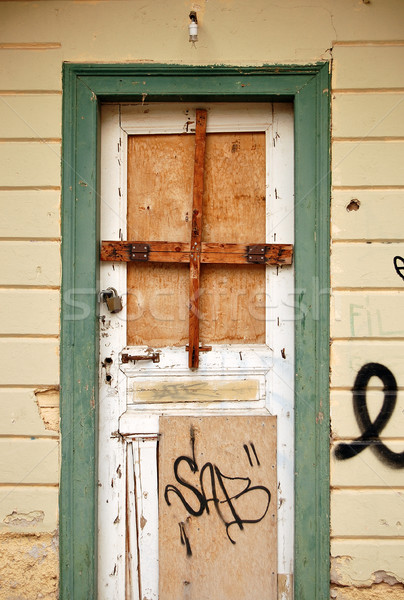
(217,508)
(195,390)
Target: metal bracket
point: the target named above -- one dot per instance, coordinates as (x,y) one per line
(154,356)
(140,252)
(256,254)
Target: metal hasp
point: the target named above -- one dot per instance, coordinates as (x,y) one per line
(154,356)
(139,252)
(256,254)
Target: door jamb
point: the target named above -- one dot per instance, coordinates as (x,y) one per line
(85,86)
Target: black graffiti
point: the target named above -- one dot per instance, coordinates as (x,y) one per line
(217,481)
(399,266)
(371,430)
(247,451)
(184,538)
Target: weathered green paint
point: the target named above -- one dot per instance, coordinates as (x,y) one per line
(85,86)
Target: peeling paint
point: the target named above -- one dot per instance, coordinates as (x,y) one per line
(344,573)
(381,591)
(24,519)
(48,407)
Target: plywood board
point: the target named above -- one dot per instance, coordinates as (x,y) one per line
(160,181)
(235,193)
(217,508)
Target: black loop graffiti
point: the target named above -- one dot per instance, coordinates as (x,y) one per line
(217,482)
(399,266)
(371,430)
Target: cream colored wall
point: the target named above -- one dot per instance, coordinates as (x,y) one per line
(365,41)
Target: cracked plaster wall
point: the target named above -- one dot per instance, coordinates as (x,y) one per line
(365,40)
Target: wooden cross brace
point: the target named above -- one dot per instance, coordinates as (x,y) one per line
(196,252)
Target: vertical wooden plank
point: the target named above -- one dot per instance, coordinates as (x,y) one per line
(217,508)
(195,259)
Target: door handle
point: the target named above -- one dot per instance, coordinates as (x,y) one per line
(154,356)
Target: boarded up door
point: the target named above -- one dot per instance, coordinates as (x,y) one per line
(245,368)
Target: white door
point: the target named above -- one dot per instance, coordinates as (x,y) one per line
(246,312)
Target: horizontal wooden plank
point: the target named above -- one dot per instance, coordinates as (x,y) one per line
(29,164)
(211,253)
(368,265)
(344,423)
(195,390)
(360,115)
(30,263)
(19,413)
(366,469)
(30,461)
(368,163)
(368,67)
(348,357)
(30,70)
(29,312)
(365,513)
(367,215)
(29,361)
(367,314)
(28,509)
(357,562)
(41,211)
(30,116)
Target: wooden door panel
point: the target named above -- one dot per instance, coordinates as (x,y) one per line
(160,178)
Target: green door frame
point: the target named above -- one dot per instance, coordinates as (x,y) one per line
(85,86)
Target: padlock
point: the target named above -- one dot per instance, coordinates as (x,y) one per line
(114,302)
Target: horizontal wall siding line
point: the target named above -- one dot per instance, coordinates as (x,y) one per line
(367,488)
(348,388)
(30,92)
(366,289)
(28,386)
(29,287)
(371,338)
(22,188)
(375,293)
(365,187)
(30,45)
(51,436)
(364,240)
(385,90)
(369,43)
(360,163)
(42,336)
(367,537)
(359,115)
(368,67)
(381,437)
(366,138)
(16,486)
(30,239)
(35,140)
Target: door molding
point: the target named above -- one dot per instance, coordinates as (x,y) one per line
(85,86)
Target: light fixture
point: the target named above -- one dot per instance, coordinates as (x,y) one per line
(193,27)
